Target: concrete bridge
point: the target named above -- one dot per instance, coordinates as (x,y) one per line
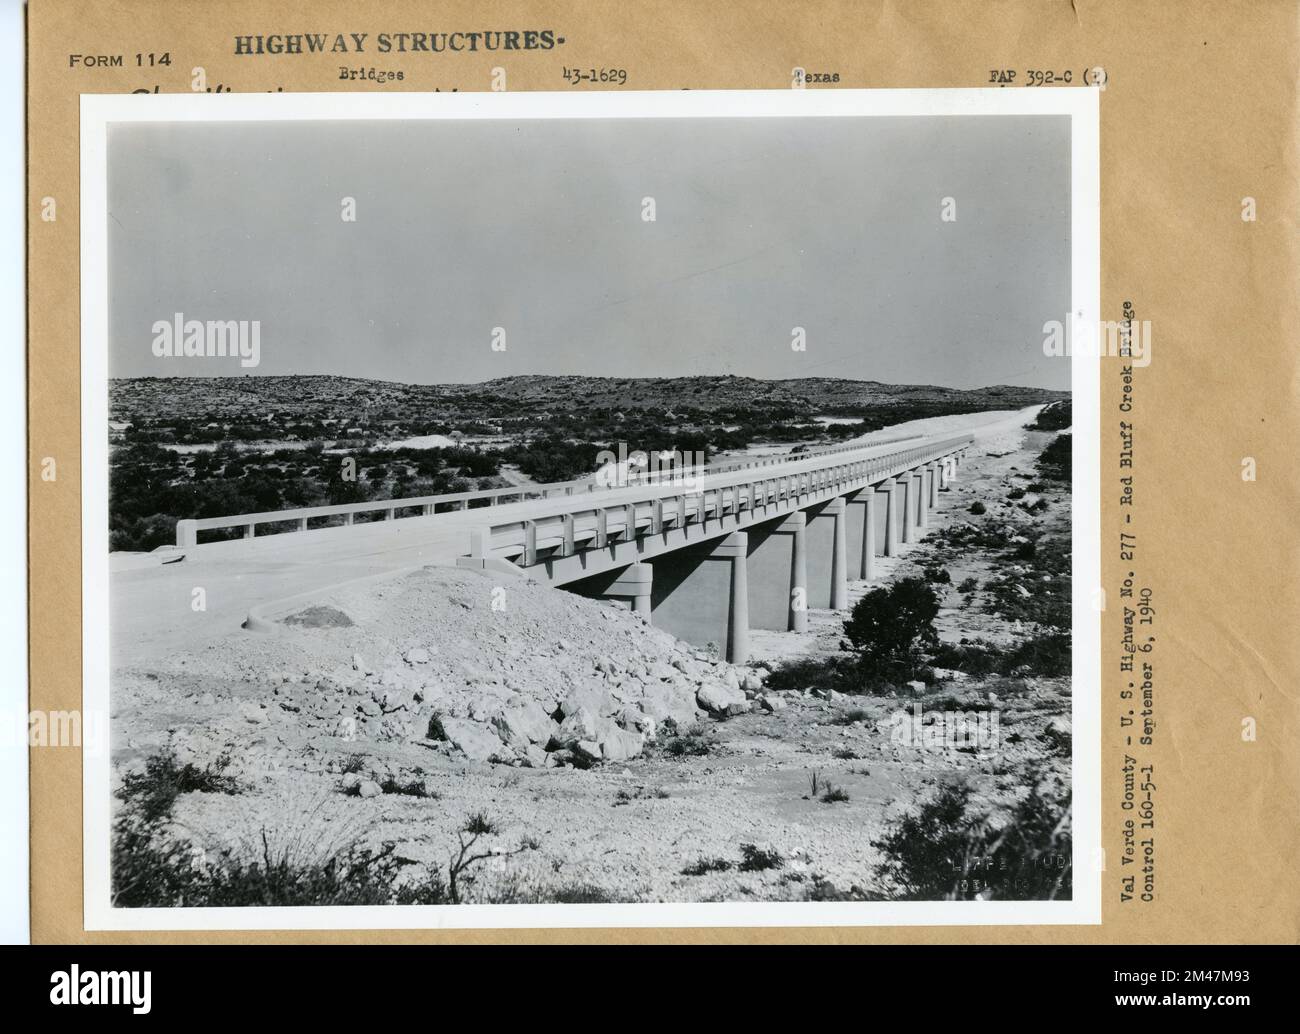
(749,548)
(708,555)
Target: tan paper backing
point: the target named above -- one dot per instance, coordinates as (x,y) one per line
(1199,112)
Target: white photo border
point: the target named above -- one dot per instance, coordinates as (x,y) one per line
(1079,103)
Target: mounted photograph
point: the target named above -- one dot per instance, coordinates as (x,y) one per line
(531,510)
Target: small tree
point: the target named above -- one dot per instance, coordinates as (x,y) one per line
(891,626)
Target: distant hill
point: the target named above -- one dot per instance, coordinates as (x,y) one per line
(321,394)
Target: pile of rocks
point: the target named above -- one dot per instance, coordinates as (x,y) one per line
(544,678)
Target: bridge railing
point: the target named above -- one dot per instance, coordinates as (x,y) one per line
(187,529)
(595,527)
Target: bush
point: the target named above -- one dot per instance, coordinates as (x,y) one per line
(1055,416)
(976,508)
(825,673)
(890,626)
(968,585)
(690,744)
(151,869)
(756,859)
(153,792)
(1047,654)
(707,865)
(945,853)
(1055,462)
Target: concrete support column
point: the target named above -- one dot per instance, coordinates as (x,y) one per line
(863,509)
(827,555)
(633,583)
(701,594)
(840,557)
(922,499)
(934,485)
(738,620)
(778,574)
(797,598)
(887,494)
(907,516)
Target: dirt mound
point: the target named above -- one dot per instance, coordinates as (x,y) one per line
(492,667)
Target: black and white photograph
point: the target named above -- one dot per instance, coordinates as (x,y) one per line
(567,510)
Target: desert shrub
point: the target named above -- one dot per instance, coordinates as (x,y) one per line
(757,859)
(834,794)
(1055,416)
(1047,654)
(976,508)
(691,743)
(153,791)
(410,788)
(824,673)
(948,852)
(968,585)
(704,866)
(1054,462)
(1016,493)
(938,575)
(150,868)
(435,730)
(890,626)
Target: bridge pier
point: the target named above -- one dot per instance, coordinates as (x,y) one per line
(701,594)
(907,512)
(828,555)
(933,468)
(862,519)
(887,531)
(778,574)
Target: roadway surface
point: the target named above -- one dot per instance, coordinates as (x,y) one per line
(150,601)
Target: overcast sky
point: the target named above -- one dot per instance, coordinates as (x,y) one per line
(762,225)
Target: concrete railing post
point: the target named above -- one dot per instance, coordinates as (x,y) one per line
(187,532)
(566,535)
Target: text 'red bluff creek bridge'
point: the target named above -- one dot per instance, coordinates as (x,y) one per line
(704,554)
